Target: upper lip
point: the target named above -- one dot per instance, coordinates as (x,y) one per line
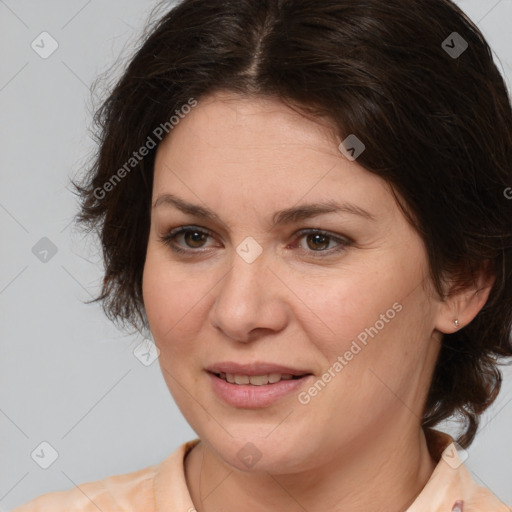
(254,369)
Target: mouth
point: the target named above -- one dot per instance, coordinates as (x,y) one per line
(255,385)
(258,390)
(257,380)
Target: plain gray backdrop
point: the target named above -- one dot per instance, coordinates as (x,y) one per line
(70,378)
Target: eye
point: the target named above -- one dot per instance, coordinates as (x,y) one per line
(193,237)
(317,241)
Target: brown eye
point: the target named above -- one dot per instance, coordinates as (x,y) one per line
(321,243)
(186,239)
(194,238)
(318,241)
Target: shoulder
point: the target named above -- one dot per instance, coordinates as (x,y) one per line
(478,498)
(129,491)
(451,481)
(157,487)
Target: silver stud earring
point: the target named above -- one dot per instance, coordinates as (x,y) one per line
(456,322)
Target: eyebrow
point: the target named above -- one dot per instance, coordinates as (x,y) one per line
(286,216)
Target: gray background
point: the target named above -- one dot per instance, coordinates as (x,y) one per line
(69,377)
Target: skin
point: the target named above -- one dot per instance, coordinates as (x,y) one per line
(358,444)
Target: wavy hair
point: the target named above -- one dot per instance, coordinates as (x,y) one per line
(435,117)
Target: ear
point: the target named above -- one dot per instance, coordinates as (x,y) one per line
(464,305)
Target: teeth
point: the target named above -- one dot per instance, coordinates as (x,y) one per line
(274,377)
(255,380)
(241,379)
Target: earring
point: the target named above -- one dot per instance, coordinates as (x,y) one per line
(456,322)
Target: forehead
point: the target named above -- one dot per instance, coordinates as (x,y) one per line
(252,123)
(259,150)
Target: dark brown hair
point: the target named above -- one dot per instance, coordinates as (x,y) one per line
(437,126)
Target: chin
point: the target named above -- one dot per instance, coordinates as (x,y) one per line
(253,452)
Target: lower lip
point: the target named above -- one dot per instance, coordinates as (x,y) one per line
(249,396)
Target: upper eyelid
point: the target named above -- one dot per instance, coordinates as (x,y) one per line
(191,227)
(298,234)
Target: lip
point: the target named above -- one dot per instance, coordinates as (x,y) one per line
(248,396)
(254,369)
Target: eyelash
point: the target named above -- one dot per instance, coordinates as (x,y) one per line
(170,237)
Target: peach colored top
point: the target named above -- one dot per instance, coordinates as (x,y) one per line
(163,488)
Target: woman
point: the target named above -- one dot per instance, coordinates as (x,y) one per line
(306,203)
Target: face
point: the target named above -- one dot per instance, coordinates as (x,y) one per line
(265,281)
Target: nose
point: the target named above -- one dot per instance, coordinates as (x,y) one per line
(251,301)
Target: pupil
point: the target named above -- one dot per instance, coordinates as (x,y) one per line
(194,237)
(318,240)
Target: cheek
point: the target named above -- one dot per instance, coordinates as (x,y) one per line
(377,318)
(172,299)
(344,307)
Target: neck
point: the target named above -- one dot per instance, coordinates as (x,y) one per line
(390,470)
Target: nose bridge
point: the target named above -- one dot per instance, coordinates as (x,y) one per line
(244,283)
(248,264)
(246,297)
